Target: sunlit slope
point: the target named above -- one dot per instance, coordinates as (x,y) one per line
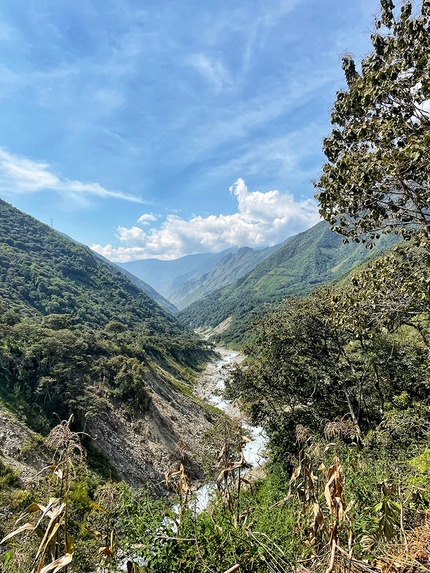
(314,257)
(230,268)
(78,338)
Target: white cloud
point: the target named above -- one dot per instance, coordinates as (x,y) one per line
(262,219)
(19,175)
(145,218)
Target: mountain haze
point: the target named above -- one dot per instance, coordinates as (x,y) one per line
(157,272)
(142,285)
(149,290)
(203,268)
(230,268)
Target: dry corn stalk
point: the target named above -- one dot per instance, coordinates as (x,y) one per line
(230,478)
(54,512)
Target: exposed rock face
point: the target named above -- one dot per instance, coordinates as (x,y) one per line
(20,447)
(143,447)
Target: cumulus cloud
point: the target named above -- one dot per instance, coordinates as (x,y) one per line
(19,175)
(262,219)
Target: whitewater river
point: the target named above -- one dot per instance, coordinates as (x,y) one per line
(210,388)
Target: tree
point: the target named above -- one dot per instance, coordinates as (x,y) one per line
(376,177)
(302,366)
(391,292)
(336,355)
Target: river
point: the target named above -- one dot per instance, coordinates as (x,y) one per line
(210,388)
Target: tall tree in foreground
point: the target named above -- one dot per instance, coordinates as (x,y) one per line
(376,177)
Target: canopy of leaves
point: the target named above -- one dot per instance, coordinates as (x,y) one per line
(376,177)
(356,351)
(71,323)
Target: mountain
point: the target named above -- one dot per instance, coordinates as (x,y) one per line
(312,258)
(78,337)
(203,268)
(194,276)
(156,272)
(142,285)
(145,287)
(163,302)
(230,268)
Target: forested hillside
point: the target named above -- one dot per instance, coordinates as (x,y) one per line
(337,374)
(142,285)
(77,336)
(43,272)
(314,257)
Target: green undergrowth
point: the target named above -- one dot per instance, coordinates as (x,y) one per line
(287,517)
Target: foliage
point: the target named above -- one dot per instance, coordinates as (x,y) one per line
(76,333)
(376,176)
(338,379)
(56,537)
(350,350)
(8,477)
(392,291)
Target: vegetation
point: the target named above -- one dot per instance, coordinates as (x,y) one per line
(142,285)
(230,268)
(332,355)
(315,257)
(339,379)
(376,177)
(44,272)
(75,332)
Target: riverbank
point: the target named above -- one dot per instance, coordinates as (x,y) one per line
(210,387)
(210,384)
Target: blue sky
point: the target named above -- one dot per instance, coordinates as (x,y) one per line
(159,129)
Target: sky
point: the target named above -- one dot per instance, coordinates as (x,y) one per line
(157,129)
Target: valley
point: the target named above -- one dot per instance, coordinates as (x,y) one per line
(251,410)
(173,425)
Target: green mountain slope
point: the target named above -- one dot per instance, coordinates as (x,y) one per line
(230,268)
(142,285)
(43,272)
(203,268)
(314,257)
(77,337)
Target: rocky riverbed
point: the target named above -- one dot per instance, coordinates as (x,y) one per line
(210,388)
(211,383)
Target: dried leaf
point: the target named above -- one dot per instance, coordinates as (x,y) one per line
(58,564)
(98,507)
(105,551)
(94,532)
(26,527)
